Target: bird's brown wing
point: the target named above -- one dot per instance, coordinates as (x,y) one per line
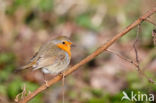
(50,60)
(43,62)
(34,56)
(47,55)
(40,62)
(32,62)
(42,53)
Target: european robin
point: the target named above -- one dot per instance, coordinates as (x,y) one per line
(53,57)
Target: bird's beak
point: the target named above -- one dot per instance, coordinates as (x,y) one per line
(73,45)
(69,43)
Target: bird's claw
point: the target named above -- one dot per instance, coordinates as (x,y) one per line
(46,82)
(62,74)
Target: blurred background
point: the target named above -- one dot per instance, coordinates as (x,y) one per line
(26,24)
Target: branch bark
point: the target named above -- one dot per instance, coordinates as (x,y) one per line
(150,21)
(90,57)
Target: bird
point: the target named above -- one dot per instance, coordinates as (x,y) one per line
(53,57)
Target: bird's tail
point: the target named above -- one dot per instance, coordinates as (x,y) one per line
(23,67)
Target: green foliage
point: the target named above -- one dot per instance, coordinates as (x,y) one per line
(14,88)
(132,5)
(84,20)
(4,75)
(7,62)
(46,5)
(97,100)
(135,84)
(25,3)
(73,94)
(30,5)
(103,99)
(6,58)
(97,92)
(3,89)
(32,87)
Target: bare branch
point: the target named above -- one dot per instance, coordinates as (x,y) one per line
(125,59)
(136,55)
(22,94)
(135,43)
(148,20)
(135,64)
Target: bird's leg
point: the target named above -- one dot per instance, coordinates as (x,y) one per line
(46,82)
(63,78)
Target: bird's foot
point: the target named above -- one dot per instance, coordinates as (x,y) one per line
(46,82)
(62,74)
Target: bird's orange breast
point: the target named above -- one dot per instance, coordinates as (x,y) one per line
(65,47)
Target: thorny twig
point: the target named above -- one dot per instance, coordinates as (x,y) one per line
(22,94)
(154,31)
(135,43)
(127,60)
(90,57)
(134,63)
(148,20)
(136,55)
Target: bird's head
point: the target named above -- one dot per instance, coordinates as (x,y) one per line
(63,43)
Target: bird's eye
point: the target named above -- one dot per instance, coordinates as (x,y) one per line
(63,42)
